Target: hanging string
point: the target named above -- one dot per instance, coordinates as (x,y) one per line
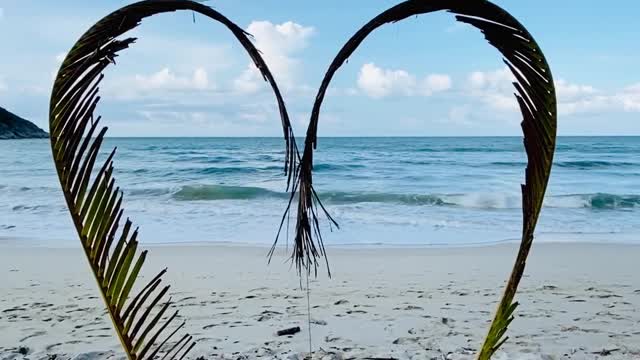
(309,317)
(286,248)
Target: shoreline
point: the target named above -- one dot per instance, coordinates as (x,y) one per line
(548,239)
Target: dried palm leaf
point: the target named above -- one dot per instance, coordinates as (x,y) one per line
(95,202)
(535,95)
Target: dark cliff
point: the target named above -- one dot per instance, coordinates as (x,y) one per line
(15,127)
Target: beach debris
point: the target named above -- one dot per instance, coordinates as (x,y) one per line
(329,339)
(605,352)
(289,331)
(268,315)
(92,355)
(341,302)
(335,356)
(467,351)
(332,357)
(319,322)
(23,350)
(447,321)
(569,328)
(405,340)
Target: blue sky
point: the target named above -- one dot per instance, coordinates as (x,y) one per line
(426,76)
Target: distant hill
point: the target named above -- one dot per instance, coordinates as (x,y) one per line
(14,127)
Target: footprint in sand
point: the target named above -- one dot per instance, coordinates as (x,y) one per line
(267,315)
(374,296)
(186,298)
(14,309)
(259,289)
(36,334)
(405,340)
(330,339)
(605,296)
(50,347)
(356,312)
(409,307)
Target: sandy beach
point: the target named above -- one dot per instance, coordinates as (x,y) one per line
(578,301)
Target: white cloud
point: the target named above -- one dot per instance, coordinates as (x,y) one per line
(1,13)
(278,44)
(495,79)
(155,84)
(436,83)
(567,91)
(165,79)
(187,53)
(257,117)
(574,99)
(192,122)
(248,82)
(377,82)
(630,97)
(494,88)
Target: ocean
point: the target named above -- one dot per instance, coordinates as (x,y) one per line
(456,191)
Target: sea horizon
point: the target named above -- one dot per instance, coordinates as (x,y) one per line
(352,137)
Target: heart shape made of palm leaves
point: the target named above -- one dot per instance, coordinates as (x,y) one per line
(95,202)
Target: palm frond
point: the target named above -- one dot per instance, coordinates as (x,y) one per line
(94,200)
(535,95)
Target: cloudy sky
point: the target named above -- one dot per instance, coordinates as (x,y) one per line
(426,76)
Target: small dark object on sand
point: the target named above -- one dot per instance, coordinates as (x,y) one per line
(23,350)
(606,352)
(289,331)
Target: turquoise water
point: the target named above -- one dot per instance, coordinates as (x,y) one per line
(382,191)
